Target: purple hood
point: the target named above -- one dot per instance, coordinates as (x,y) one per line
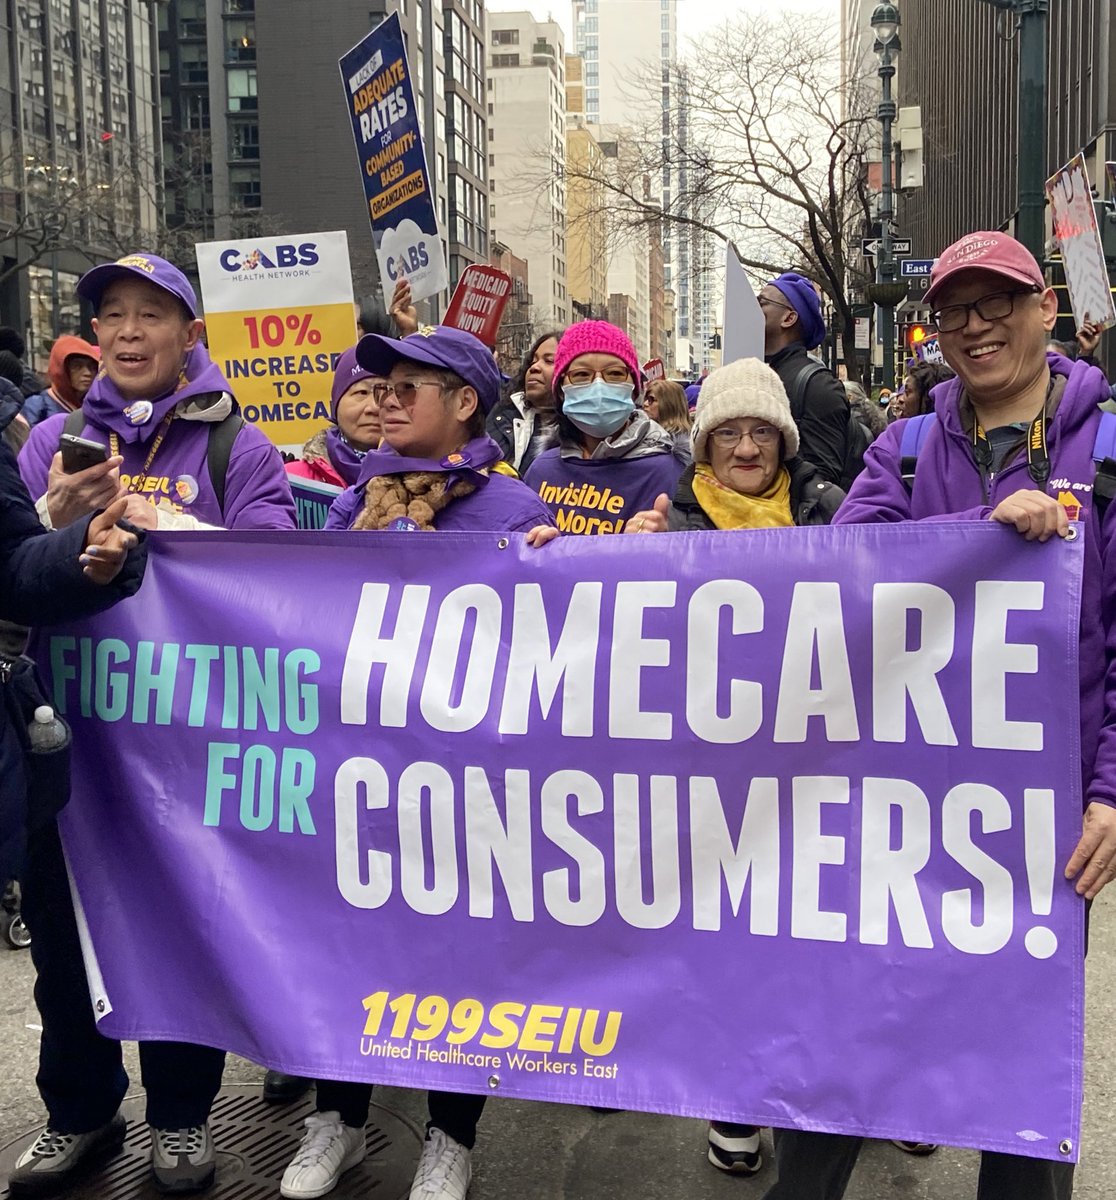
(948,487)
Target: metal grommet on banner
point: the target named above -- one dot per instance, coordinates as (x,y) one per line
(1066,1147)
(100,1006)
(502,544)
(1071,536)
(494,1082)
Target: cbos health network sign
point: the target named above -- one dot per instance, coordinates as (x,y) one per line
(397,188)
(278,315)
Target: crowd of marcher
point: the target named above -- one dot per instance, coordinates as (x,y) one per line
(426,435)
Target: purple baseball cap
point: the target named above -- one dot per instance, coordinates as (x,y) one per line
(436,346)
(151,267)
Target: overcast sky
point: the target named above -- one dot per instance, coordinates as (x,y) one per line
(694,16)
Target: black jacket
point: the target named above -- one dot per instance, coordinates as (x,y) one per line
(813,500)
(823,424)
(41,583)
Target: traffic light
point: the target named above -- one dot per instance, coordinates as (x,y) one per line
(916,335)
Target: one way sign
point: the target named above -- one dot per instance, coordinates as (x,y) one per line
(872,246)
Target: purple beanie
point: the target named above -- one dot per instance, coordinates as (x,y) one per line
(803,298)
(594,337)
(347,372)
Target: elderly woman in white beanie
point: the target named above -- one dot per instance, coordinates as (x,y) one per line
(746,472)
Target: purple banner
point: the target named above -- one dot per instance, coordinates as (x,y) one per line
(766,826)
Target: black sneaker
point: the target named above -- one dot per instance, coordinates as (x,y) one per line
(284,1089)
(54,1160)
(734,1148)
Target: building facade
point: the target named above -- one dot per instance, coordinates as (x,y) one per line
(624,44)
(586,233)
(527,153)
(80,151)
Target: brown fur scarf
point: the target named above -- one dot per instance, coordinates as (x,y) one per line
(415,494)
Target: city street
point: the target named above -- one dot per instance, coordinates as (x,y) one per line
(561,1153)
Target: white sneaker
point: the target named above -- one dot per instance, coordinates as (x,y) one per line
(444,1169)
(328,1149)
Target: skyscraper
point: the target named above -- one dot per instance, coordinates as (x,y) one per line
(622,45)
(79,148)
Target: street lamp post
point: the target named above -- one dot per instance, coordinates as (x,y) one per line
(885,25)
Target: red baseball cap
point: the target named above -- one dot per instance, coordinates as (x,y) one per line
(986,250)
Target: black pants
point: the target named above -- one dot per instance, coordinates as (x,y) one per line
(452,1112)
(81,1074)
(817,1166)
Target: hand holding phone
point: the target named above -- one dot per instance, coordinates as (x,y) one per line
(80,453)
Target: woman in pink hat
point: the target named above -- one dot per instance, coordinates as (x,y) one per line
(612,460)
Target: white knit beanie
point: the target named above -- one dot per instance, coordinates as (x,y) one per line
(744,388)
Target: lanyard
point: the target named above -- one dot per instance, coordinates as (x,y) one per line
(1038,457)
(138,481)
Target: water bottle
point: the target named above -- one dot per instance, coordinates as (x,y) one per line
(46,732)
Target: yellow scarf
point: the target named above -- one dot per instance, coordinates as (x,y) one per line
(731,510)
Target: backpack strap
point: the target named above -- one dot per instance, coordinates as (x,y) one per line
(218,451)
(915,432)
(1104,455)
(798,387)
(74,423)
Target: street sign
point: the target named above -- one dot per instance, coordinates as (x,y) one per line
(899,246)
(912,268)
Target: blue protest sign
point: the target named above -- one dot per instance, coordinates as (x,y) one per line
(392,163)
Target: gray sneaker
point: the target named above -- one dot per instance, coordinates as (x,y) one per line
(183,1160)
(53,1160)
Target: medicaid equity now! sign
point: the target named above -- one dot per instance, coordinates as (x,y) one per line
(765,826)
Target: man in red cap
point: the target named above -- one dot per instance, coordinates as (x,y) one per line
(1012,440)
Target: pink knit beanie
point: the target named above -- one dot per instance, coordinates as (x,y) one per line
(594,337)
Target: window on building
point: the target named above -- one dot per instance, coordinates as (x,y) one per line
(505,60)
(242,90)
(505,37)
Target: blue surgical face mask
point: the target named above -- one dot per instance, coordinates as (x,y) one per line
(598,409)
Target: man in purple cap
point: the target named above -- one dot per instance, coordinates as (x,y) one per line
(792,325)
(182,458)
(1012,440)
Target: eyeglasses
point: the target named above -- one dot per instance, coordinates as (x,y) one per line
(727,438)
(406,390)
(993,307)
(762,300)
(648,400)
(579,377)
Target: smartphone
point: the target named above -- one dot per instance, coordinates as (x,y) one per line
(79,453)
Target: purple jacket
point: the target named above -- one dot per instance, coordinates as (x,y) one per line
(500,503)
(948,487)
(257,495)
(597,495)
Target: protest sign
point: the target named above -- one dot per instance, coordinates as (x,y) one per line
(743,317)
(653,370)
(479,301)
(765,825)
(278,315)
(381,103)
(313,499)
(1075,227)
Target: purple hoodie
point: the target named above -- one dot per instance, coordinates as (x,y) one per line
(499,505)
(257,494)
(948,487)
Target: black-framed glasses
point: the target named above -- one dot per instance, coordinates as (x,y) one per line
(993,307)
(580,376)
(762,300)
(728,438)
(406,390)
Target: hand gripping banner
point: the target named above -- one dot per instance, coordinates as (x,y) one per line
(766,826)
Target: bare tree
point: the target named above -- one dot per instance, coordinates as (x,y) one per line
(773,155)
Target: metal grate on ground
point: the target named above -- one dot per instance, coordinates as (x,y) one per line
(255,1141)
